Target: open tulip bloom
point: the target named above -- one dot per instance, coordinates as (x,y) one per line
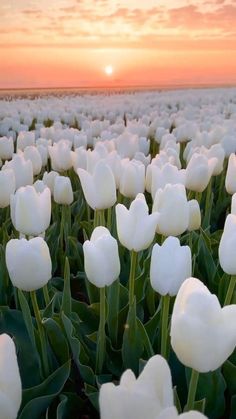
(150,395)
(10,380)
(203,335)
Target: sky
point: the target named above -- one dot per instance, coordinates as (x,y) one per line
(68,43)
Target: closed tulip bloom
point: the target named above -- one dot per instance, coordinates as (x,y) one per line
(172,207)
(101,258)
(31,153)
(99,188)
(199,171)
(63,193)
(10,381)
(127,144)
(43,151)
(7,187)
(22,168)
(194,215)
(31,210)
(28,263)
(230,179)
(203,335)
(49,179)
(132,178)
(164,175)
(227,246)
(25,139)
(135,227)
(147,396)
(60,154)
(171,264)
(6,148)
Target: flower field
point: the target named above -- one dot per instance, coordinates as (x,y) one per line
(118,256)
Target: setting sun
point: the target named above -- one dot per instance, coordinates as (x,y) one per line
(108,70)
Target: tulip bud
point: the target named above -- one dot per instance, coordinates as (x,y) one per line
(101,258)
(135,227)
(164,175)
(6,148)
(203,335)
(10,381)
(7,187)
(62,192)
(28,263)
(230,179)
(199,171)
(194,215)
(227,246)
(99,188)
(49,179)
(171,264)
(23,170)
(132,178)
(25,139)
(31,153)
(31,211)
(172,207)
(147,396)
(60,154)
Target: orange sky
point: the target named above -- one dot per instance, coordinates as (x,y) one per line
(53,43)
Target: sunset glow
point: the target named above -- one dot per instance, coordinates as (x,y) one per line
(68,42)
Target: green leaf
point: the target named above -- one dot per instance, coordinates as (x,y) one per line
(37,399)
(27,318)
(66,296)
(113,296)
(132,347)
(145,339)
(229,372)
(57,340)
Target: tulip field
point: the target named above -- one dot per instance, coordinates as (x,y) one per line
(118,255)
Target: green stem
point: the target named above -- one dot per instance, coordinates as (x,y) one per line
(101,346)
(46,295)
(133,263)
(109,218)
(192,390)
(208,204)
(230,291)
(102,218)
(96,218)
(198,197)
(41,332)
(164,324)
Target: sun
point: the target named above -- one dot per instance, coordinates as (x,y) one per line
(108,70)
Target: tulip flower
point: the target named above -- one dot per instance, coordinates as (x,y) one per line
(30,268)
(25,139)
(10,381)
(171,264)
(101,259)
(62,192)
(60,154)
(31,211)
(199,171)
(28,263)
(136,231)
(7,187)
(132,178)
(230,179)
(6,148)
(102,267)
(22,168)
(49,179)
(167,174)
(31,153)
(227,253)
(172,208)
(200,328)
(147,396)
(99,188)
(203,335)
(194,215)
